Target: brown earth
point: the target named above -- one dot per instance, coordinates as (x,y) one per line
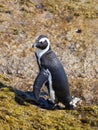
(72,27)
(73,30)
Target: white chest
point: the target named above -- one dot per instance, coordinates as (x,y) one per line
(52,92)
(39,56)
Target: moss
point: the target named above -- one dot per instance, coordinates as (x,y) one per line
(4,79)
(28,117)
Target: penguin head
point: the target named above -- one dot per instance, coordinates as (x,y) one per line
(42,42)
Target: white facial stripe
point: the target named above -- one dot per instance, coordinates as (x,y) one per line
(44,39)
(52,93)
(41,52)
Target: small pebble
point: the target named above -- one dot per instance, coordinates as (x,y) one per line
(78,30)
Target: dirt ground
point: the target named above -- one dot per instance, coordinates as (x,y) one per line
(71,26)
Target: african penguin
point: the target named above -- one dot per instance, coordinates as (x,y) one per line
(51,73)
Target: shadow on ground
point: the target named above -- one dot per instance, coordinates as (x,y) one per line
(22,97)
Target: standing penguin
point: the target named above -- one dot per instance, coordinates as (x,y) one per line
(51,73)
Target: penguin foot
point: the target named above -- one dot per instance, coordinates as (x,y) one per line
(57,107)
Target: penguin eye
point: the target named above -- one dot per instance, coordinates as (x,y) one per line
(42,42)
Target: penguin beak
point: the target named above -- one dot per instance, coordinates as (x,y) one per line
(34,45)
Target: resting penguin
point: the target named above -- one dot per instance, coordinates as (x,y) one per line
(51,73)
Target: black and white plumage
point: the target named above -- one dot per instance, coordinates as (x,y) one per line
(51,72)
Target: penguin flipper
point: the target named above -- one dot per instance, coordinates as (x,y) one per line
(41,78)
